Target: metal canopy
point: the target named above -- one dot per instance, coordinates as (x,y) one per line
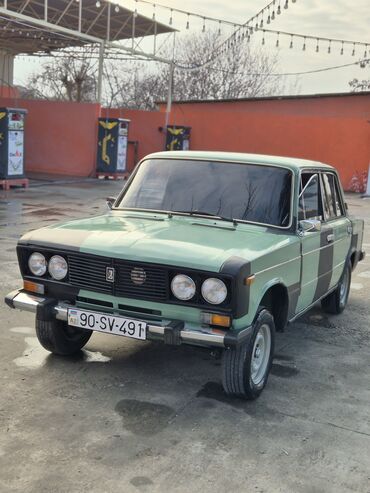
(31,26)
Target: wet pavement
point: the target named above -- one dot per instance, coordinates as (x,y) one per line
(137,416)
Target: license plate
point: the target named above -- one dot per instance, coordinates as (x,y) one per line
(110,324)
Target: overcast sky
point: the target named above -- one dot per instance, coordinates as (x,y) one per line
(343,19)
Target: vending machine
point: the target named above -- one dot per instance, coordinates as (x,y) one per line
(12,144)
(112,147)
(177,138)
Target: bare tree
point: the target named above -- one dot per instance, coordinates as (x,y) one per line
(359,85)
(70,77)
(241,72)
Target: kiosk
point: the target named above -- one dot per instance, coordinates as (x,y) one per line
(12,147)
(112,147)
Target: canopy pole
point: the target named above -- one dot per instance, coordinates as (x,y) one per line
(100,71)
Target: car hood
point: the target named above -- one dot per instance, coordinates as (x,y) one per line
(181,240)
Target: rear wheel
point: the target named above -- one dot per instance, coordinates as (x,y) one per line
(60,338)
(245,368)
(336,301)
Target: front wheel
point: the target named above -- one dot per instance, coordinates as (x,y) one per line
(336,301)
(60,338)
(245,368)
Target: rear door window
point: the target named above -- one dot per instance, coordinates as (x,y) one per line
(331,197)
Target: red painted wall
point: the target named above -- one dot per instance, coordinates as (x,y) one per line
(334,130)
(60,137)
(143,128)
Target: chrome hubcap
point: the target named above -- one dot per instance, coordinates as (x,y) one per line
(261,354)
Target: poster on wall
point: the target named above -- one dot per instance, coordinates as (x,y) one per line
(15,153)
(121,153)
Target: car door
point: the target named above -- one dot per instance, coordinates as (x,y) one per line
(314,250)
(338,226)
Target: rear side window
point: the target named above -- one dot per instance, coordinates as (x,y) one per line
(309,206)
(331,196)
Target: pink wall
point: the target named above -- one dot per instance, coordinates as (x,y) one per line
(334,130)
(60,136)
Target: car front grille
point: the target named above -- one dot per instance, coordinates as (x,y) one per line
(131,279)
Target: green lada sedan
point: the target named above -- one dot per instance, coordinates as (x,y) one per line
(211,249)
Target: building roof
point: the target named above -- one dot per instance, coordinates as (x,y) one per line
(238,157)
(270,98)
(25,28)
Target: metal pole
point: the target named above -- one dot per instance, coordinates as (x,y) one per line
(108,22)
(79,16)
(170,82)
(46,10)
(367,193)
(169,94)
(100,71)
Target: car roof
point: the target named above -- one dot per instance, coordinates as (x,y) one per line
(294,164)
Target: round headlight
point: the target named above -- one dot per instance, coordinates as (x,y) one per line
(214,291)
(183,287)
(37,264)
(58,267)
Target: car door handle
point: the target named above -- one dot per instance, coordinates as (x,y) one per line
(330,238)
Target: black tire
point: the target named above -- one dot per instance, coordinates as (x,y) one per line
(237,373)
(336,301)
(59,338)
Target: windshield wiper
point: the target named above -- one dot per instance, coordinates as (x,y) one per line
(195,212)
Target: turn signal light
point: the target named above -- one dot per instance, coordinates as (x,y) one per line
(216,319)
(34,287)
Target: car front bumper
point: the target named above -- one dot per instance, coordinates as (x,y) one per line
(173,332)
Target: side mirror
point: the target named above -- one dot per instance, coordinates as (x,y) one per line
(110,201)
(307,225)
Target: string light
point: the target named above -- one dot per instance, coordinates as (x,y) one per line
(304,44)
(153,17)
(219,28)
(291,42)
(354,50)
(98,4)
(188,22)
(286,5)
(171,17)
(342,50)
(278,9)
(317,45)
(204,25)
(329,47)
(135,11)
(277,40)
(116,9)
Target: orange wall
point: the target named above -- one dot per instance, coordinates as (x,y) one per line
(143,128)
(334,130)
(60,137)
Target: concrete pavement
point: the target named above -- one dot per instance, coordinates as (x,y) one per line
(126,416)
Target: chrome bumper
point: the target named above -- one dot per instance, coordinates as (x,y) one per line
(174,333)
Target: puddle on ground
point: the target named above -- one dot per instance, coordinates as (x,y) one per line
(140,481)
(284,371)
(255,409)
(142,417)
(35,356)
(95,357)
(23,330)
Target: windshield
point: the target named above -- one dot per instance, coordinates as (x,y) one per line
(244,192)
